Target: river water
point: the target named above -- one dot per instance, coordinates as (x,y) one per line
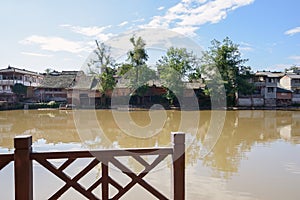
(242,155)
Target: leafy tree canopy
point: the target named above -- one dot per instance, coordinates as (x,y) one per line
(176,66)
(224,57)
(19,89)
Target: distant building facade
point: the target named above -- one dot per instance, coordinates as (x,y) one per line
(54,86)
(84,92)
(291,81)
(271,89)
(11,76)
(268,91)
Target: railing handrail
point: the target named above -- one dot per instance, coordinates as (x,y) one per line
(102,153)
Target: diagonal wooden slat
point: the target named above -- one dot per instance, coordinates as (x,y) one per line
(69,182)
(151,189)
(88,168)
(76,178)
(3,164)
(139,178)
(5,160)
(66,164)
(141,160)
(115,184)
(92,187)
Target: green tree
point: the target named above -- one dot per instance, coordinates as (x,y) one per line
(48,70)
(138,55)
(177,66)
(20,90)
(103,68)
(225,58)
(292,68)
(136,71)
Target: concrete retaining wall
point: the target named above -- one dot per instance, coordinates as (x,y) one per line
(250,102)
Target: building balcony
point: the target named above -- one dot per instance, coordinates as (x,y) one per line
(297,85)
(13,82)
(272,84)
(271,95)
(296,95)
(260,84)
(7,82)
(6,91)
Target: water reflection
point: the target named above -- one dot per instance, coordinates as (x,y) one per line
(52,126)
(242,130)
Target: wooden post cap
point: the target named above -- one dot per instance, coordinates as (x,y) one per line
(23,141)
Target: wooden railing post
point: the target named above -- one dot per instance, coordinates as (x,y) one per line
(23,168)
(179,165)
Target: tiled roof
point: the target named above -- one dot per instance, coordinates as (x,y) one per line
(283,90)
(17,70)
(57,81)
(293,76)
(270,74)
(83,82)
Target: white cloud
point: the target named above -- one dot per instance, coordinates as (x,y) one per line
(91,31)
(123,23)
(36,54)
(244,46)
(296,58)
(186,30)
(293,31)
(278,67)
(161,8)
(55,44)
(139,20)
(191,14)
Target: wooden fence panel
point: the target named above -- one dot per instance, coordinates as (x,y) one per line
(23,157)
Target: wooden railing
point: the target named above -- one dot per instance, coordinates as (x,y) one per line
(23,170)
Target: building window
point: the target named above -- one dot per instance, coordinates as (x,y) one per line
(257,91)
(272,80)
(296,80)
(270,90)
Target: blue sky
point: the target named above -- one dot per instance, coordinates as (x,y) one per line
(60,34)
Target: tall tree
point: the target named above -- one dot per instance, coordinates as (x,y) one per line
(225,58)
(138,55)
(137,71)
(176,66)
(103,67)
